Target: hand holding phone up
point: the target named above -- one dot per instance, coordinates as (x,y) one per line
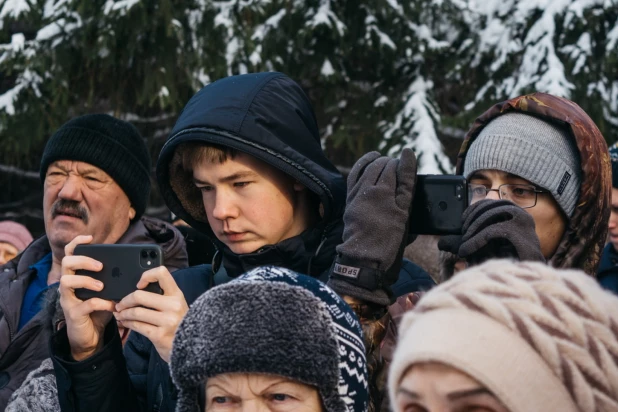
(380,195)
(85,320)
(152,315)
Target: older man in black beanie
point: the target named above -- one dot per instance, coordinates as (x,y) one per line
(96,175)
(608,267)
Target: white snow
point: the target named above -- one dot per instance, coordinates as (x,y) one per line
(580,52)
(60,26)
(8,98)
(271,23)
(612,38)
(14,8)
(325,16)
(327,68)
(381,101)
(26,79)
(49,31)
(385,40)
(119,5)
(421,137)
(17,41)
(164,92)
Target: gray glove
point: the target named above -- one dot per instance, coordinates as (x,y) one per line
(494,229)
(380,193)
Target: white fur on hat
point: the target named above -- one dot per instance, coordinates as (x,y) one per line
(538,338)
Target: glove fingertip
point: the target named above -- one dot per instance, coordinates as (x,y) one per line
(450,243)
(406,176)
(360,166)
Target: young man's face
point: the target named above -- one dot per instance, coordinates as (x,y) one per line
(81,199)
(613,219)
(548,217)
(250,204)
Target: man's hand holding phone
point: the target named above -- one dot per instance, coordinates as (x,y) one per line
(155,316)
(85,319)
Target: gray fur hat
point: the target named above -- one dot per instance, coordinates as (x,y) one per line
(273,321)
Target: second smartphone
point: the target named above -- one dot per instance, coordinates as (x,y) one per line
(438,206)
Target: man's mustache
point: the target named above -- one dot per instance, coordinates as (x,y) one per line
(69,207)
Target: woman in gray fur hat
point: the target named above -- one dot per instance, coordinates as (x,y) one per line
(270,340)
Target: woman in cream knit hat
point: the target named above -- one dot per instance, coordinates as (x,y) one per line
(507,336)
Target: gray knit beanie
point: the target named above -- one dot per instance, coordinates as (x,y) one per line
(533,149)
(273,321)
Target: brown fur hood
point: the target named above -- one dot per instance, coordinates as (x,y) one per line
(585,236)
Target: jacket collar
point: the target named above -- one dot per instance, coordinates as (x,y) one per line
(609,259)
(38,249)
(312,252)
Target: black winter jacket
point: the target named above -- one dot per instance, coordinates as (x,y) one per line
(268,116)
(607,273)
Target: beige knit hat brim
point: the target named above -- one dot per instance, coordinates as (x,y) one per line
(562,316)
(487,351)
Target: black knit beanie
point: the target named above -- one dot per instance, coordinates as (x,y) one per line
(273,321)
(613,156)
(113,145)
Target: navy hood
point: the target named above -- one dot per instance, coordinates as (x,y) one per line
(266,115)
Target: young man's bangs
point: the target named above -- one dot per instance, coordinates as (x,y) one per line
(195,153)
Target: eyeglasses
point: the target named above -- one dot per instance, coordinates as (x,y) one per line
(523,196)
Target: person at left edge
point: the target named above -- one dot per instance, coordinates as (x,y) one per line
(96,182)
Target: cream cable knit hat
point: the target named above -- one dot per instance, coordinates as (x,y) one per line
(540,339)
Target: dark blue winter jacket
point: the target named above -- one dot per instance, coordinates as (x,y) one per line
(607,274)
(268,116)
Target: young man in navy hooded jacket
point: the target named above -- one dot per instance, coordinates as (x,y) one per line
(244,164)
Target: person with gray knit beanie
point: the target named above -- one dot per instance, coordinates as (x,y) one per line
(532,185)
(509,336)
(270,338)
(536,150)
(532,166)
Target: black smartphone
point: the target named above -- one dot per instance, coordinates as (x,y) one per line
(438,206)
(123,266)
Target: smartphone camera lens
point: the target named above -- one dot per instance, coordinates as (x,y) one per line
(153,254)
(458,192)
(144,254)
